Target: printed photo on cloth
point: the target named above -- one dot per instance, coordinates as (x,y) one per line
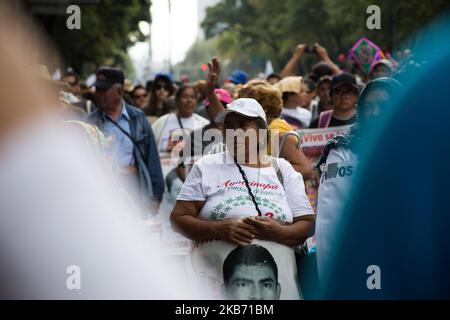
(251,272)
(216,180)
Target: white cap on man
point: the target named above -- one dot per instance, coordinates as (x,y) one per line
(245,106)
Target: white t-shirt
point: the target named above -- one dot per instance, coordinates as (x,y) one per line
(301,114)
(172,133)
(216,179)
(336,180)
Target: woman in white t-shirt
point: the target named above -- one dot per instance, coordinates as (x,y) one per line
(238,198)
(171,128)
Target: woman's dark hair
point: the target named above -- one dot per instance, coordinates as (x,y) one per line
(310,84)
(152,108)
(148,85)
(321,69)
(273,75)
(286,96)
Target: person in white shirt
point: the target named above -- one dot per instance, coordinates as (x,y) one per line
(221,193)
(244,196)
(171,128)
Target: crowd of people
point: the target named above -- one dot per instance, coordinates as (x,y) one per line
(239,158)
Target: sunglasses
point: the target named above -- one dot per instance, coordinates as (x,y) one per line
(161,86)
(141,96)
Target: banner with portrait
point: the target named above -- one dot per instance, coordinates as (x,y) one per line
(262,270)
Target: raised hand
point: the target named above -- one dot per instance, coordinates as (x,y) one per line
(299,50)
(321,52)
(213,74)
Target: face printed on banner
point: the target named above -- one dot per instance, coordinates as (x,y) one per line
(176,139)
(255,282)
(250,273)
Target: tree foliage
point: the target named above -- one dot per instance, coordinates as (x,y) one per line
(107,30)
(273,28)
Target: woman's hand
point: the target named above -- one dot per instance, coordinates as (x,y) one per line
(236,231)
(213,74)
(265,228)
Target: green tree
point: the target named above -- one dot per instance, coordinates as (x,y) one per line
(272,29)
(107,30)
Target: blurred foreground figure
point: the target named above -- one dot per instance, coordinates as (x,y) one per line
(339,163)
(392,240)
(65,231)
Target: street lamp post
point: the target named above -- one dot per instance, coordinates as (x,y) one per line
(170,37)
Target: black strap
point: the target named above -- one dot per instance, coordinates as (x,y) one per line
(252,196)
(127,134)
(278,171)
(179,122)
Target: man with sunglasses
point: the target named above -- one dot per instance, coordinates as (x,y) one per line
(133,150)
(344,95)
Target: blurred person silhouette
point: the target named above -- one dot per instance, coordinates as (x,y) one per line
(60,91)
(59,211)
(391,240)
(339,162)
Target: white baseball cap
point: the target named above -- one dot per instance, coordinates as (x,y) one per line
(245,106)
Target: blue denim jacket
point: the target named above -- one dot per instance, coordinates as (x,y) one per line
(150,173)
